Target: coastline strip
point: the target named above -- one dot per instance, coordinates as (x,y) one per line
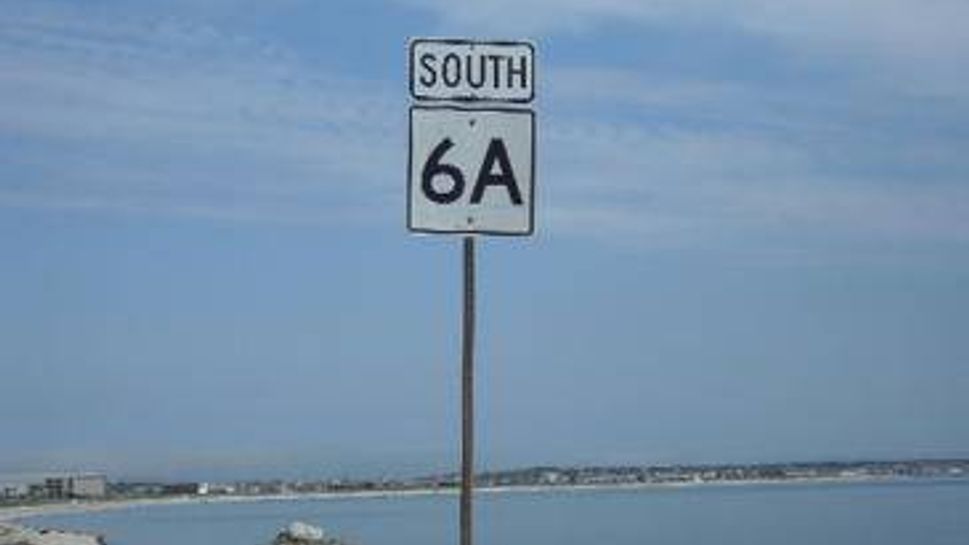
(17,514)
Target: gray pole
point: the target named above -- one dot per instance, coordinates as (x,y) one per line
(467,393)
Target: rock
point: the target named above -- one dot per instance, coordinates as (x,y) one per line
(20,535)
(301,533)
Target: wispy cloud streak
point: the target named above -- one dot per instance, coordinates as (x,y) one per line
(167,116)
(170,114)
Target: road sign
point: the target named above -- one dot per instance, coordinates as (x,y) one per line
(469,70)
(471,170)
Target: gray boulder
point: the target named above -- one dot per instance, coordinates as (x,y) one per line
(11,534)
(301,533)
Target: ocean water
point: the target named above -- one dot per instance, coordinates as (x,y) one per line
(909,513)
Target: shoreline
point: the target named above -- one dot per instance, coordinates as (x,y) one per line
(16,515)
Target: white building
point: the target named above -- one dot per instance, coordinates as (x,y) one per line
(87,485)
(13,491)
(78,485)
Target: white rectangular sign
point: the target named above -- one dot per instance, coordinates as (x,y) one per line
(471,170)
(468,70)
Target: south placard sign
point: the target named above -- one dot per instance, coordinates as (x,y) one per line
(472,70)
(471,160)
(471,170)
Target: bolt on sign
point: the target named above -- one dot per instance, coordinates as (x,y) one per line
(471,163)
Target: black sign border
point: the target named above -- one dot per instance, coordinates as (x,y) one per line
(470,98)
(410,168)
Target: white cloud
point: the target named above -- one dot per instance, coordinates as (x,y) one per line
(922,44)
(693,160)
(168,115)
(734,187)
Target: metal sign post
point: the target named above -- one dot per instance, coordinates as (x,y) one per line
(467,393)
(471,171)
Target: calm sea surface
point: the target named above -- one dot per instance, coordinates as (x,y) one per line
(923,513)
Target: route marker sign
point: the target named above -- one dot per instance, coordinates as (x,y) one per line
(472,170)
(470,70)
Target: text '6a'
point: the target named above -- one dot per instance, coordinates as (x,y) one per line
(444,183)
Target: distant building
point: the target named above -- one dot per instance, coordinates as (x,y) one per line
(36,491)
(186,489)
(55,488)
(14,491)
(87,486)
(79,486)
(140,489)
(550,477)
(221,489)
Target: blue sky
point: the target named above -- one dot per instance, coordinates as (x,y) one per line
(752,236)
